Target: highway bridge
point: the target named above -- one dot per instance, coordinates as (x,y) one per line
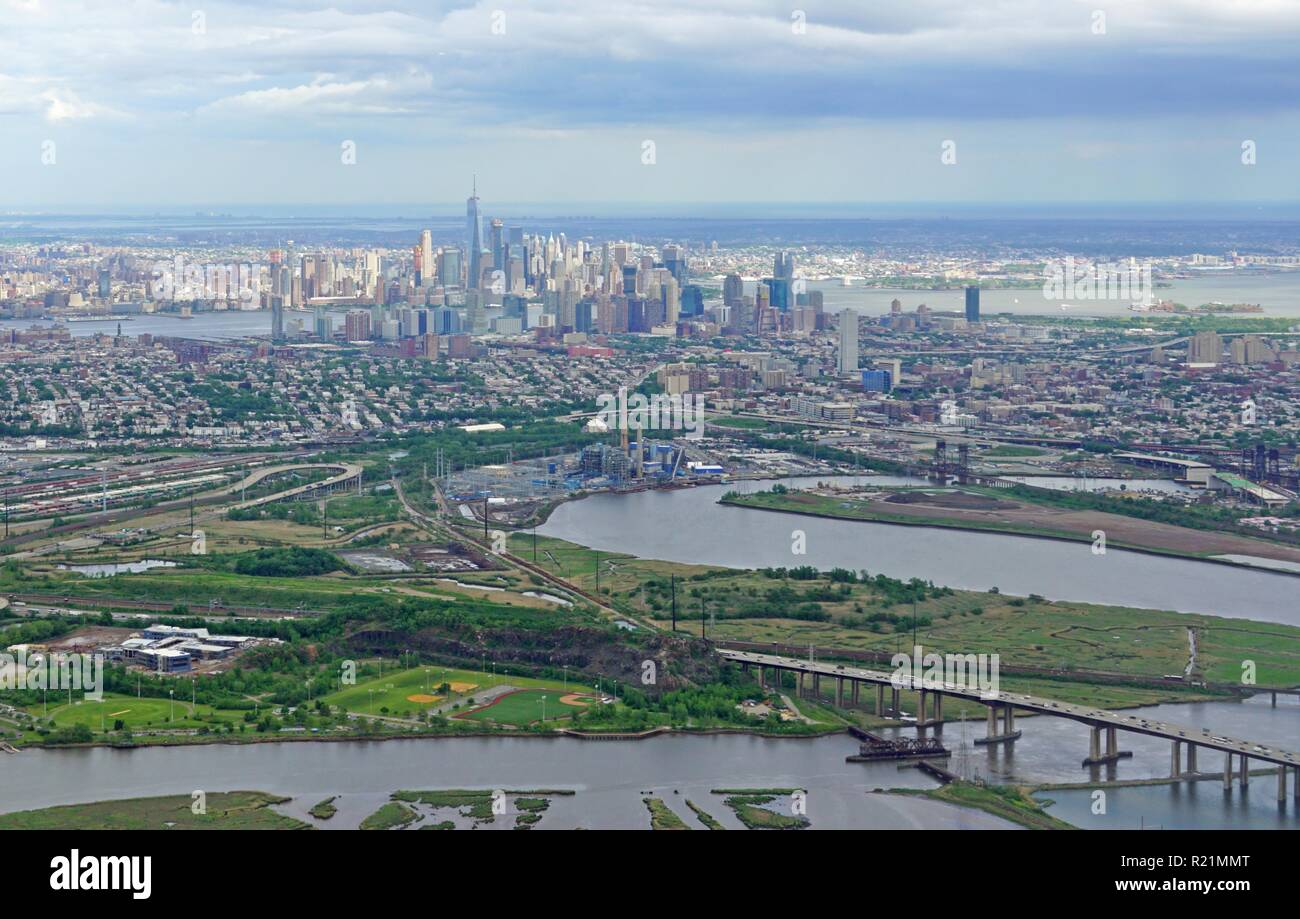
(1002,707)
(347,477)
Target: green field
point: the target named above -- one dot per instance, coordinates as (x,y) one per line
(235,810)
(391,690)
(524,708)
(136,714)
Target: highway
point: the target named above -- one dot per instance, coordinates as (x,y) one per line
(1095,717)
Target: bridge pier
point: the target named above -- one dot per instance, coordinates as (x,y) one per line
(1113,753)
(1191,757)
(938,708)
(880,700)
(839,692)
(1281,785)
(802,691)
(1227,772)
(922,697)
(893,701)
(1175,759)
(856,687)
(1009,731)
(1244,778)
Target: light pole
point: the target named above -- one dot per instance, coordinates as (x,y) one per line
(543,709)
(171,705)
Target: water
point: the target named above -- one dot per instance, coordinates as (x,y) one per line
(687,525)
(1278,294)
(107,571)
(609,778)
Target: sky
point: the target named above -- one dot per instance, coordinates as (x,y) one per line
(686,104)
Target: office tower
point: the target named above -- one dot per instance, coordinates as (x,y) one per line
(426,258)
(972,304)
(277,318)
(783,265)
(450,271)
(848,357)
(780,291)
(733,289)
(475,242)
(675,261)
(692,300)
(475,317)
(105,286)
(1205,348)
(498,244)
(323,327)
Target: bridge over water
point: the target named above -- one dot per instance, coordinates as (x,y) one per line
(1002,707)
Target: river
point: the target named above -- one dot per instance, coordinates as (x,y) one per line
(687,525)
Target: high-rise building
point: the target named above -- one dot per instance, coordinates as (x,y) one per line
(733,288)
(972,304)
(475,241)
(783,265)
(848,356)
(426,258)
(1205,348)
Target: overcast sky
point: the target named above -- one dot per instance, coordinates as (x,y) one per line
(145,102)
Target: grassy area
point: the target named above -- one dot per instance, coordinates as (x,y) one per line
(1009,802)
(391,816)
(235,810)
(389,694)
(710,822)
(324,810)
(750,809)
(874,615)
(134,714)
(523,708)
(662,817)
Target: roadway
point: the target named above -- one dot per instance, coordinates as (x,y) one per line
(1095,717)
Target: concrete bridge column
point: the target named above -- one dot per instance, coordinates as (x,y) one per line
(839,692)
(922,698)
(1227,772)
(938,706)
(1010,721)
(1295,778)
(880,700)
(1094,744)
(857,686)
(1112,743)
(802,690)
(1244,778)
(993,721)
(1175,759)
(817,685)
(893,701)
(1191,757)
(1281,785)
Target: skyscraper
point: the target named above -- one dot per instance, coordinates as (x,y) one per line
(475,239)
(848,342)
(972,304)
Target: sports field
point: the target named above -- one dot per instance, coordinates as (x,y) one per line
(393,690)
(135,714)
(527,707)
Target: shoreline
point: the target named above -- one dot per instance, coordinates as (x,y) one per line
(1079,540)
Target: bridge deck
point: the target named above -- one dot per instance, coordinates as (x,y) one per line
(1093,716)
